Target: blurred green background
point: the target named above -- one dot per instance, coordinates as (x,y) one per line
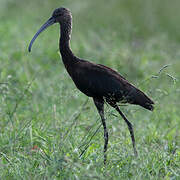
(45,122)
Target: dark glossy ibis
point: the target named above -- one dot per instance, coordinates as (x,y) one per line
(95,80)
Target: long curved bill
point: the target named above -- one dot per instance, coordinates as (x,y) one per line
(48,23)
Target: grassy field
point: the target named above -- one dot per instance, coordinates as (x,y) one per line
(45,122)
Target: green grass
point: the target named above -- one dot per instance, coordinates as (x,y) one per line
(45,122)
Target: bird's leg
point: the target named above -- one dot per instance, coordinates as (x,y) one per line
(100,107)
(130,127)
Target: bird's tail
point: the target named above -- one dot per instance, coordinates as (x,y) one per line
(139,98)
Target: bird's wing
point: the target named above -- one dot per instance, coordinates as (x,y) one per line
(99,80)
(129,92)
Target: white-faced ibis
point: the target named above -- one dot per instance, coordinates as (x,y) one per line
(95,80)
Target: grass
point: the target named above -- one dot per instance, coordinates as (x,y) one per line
(46,122)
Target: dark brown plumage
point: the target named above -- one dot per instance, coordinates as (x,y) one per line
(95,80)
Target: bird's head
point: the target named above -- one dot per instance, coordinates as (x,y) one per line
(58,16)
(61,15)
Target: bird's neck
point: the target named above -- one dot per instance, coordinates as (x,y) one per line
(64,44)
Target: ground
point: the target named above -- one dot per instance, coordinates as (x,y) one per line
(45,122)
